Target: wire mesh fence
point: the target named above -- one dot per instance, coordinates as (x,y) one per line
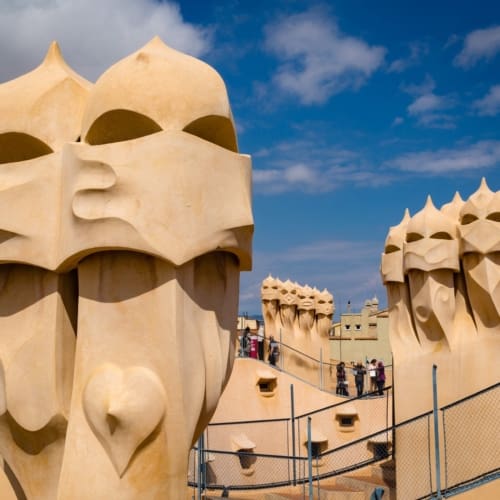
(414,456)
(468,440)
(242,470)
(344,421)
(353,455)
(270,453)
(272,436)
(471,435)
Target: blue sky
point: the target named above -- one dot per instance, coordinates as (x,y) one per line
(352,110)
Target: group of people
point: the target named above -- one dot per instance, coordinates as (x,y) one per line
(376,373)
(252,346)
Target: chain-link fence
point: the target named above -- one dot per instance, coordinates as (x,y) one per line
(471,436)
(469,448)
(270,453)
(468,433)
(414,453)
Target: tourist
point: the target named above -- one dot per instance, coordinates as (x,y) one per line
(245,343)
(359,377)
(341,380)
(261,338)
(380,378)
(372,372)
(274,351)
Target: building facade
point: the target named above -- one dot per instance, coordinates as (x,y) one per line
(361,336)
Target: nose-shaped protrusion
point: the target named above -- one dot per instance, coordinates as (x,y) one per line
(91,180)
(433,303)
(482,273)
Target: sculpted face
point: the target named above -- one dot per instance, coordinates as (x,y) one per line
(288,303)
(306,298)
(480,251)
(288,294)
(154,174)
(323,303)
(39,112)
(270,289)
(430,260)
(132,180)
(443,310)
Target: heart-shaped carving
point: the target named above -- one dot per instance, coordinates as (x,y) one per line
(123,407)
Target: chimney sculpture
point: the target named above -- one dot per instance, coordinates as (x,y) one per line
(441,271)
(121,285)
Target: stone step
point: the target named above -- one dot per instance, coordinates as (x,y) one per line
(339,492)
(385,471)
(368,484)
(283,496)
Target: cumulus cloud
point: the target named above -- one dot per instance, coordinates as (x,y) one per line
(317,59)
(427,107)
(397,121)
(92,34)
(320,263)
(478,45)
(489,105)
(481,155)
(311,167)
(417,51)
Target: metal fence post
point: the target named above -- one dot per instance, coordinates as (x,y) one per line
(292,411)
(309,458)
(321,368)
(436,432)
(201,466)
(281,351)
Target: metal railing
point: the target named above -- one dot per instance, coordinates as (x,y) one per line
(316,371)
(468,442)
(282,444)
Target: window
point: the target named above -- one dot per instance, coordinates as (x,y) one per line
(346,421)
(346,418)
(347,327)
(318,448)
(267,383)
(357,327)
(247,460)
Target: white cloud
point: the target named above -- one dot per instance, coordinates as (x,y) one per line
(452,40)
(426,103)
(428,107)
(320,263)
(489,105)
(317,60)
(92,34)
(479,44)
(481,155)
(418,89)
(417,50)
(397,121)
(311,167)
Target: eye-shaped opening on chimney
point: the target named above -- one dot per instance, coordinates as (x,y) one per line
(495,217)
(468,219)
(120,125)
(391,249)
(215,129)
(410,237)
(441,235)
(17,146)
